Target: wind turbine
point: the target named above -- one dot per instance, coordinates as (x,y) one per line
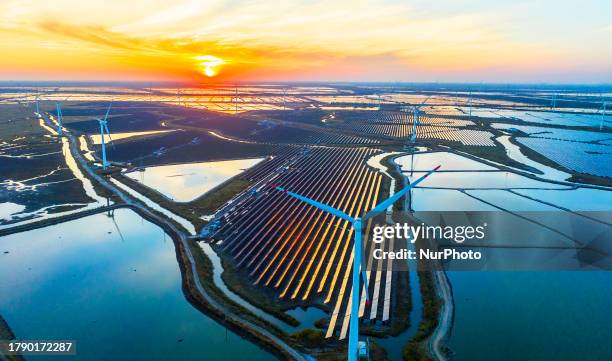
(470,104)
(553,101)
(58,106)
(37,108)
(416,111)
(357,258)
(104,128)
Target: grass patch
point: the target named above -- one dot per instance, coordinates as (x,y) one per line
(399,181)
(219,196)
(496,154)
(590,179)
(576,177)
(255,295)
(310,338)
(204,270)
(416,349)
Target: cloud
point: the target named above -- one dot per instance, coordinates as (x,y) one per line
(258,38)
(93,34)
(607,28)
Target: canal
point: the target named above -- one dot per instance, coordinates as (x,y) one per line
(112,283)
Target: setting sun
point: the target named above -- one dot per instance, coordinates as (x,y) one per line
(209,65)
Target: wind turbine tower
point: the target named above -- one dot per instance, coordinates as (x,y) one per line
(415,120)
(104,129)
(357,248)
(470,105)
(58,106)
(416,112)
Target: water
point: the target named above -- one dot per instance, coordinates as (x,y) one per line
(485,180)
(97,139)
(7,209)
(586,158)
(581,199)
(185,182)
(73,166)
(84,148)
(119,296)
(44,213)
(445,200)
(514,152)
(307,317)
(218,280)
(505,200)
(446,161)
(557,133)
(151,204)
(375,162)
(507,316)
(394,346)
(544,117)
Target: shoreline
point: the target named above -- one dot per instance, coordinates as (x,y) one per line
(192,285)
(439,305)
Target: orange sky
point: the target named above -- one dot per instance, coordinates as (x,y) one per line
(340,40)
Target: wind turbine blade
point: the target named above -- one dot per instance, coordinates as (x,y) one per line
(319,205)
(424,101)
(365,279)
(108,111)
(109,136)
(384,205)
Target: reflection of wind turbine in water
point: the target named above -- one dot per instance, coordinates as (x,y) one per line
(116,225)
(358,262)
(111,215)
(104,129)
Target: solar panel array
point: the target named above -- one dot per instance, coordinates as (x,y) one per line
(298,251)
(585,158)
